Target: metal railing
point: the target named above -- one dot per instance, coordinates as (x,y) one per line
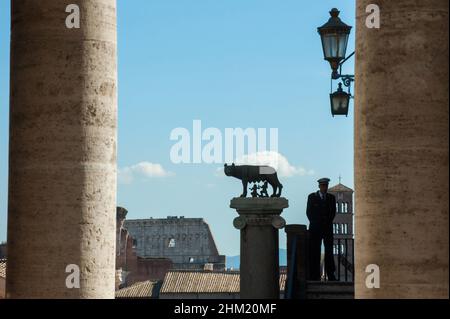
(344,251)
(298,261)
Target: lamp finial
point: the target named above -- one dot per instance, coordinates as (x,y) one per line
(334,12)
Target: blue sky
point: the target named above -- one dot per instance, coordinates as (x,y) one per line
(233,63)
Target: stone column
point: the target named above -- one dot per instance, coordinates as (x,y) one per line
(259,221)
(401,149)
(62,156)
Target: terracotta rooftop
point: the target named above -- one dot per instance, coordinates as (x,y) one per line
(145,290)
(191,281)
(2,268)
(340,188)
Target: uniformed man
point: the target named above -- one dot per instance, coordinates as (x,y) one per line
(321,209)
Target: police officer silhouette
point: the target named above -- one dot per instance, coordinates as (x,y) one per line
(321,209)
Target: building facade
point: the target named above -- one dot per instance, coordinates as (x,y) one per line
(131,268)
(343,248)
(187,242)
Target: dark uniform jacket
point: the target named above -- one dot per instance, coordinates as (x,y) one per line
(321,212)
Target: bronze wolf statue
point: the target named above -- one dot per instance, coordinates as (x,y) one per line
(254,174)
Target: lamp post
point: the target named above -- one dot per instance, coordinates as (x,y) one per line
(339,102)
(334,36)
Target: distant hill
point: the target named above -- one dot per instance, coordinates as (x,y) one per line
(233,261)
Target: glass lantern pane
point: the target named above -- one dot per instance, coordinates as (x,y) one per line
(330,45)
(340,104)
(343,40)
(337,104)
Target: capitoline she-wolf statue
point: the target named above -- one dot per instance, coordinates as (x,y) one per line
(255,174)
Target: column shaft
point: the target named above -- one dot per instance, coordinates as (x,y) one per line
(259,265)
(62,156)
(401,149)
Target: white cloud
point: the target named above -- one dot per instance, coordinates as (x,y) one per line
(275,160)
(143,169)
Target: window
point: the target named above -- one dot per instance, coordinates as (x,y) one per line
(191,260)
(135,243)
(171,242)
(337,207)
(344,207)
(335,229)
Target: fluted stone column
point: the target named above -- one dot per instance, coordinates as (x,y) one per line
(259,221)
(62,157)
(401,149)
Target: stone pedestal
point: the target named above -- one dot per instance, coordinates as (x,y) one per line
(259,221)
(297,261)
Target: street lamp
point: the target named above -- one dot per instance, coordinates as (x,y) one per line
(334,36)
(339,102)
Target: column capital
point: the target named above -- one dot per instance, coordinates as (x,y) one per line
(259,212)
(259,206)
(242,221)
